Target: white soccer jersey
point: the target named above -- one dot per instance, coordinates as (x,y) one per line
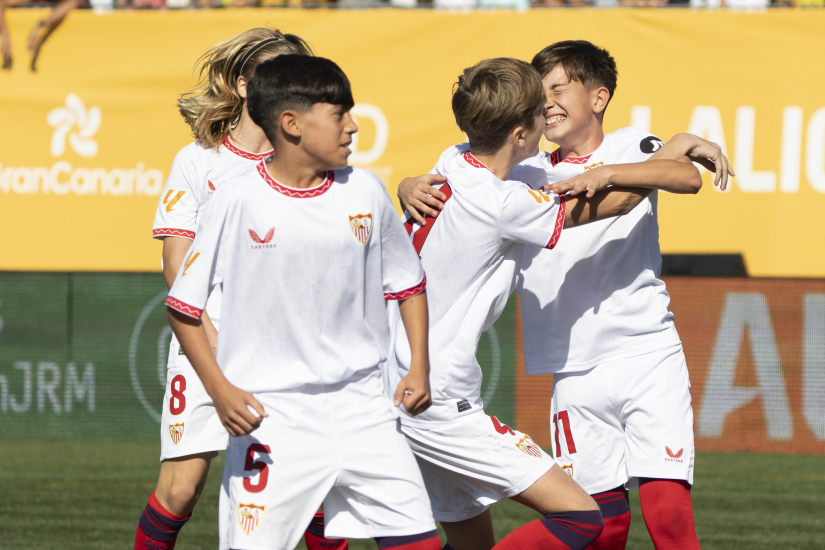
(471,253)
(304,275)
(597,297)
(196,174)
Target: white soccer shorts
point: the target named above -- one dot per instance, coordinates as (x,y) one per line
(337,445)
(624,420)
(189,423)
(471,463)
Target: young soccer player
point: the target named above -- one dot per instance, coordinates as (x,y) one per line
(306,250)
(227,143)
(595,313)
(472,253)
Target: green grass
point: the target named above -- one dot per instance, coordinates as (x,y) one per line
(79,495)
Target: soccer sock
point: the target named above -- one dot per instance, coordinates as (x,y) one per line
(423,541)
(668,513)
(158,528)
(616,513)
(314,536)
(559,531)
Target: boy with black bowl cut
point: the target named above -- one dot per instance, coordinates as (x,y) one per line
(306,250)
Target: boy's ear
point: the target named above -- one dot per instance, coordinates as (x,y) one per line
(518,137)
(601,97)
(290,123)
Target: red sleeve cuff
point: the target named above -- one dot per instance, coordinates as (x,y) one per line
(409,293)
(186,309)
(170,232)
(554,238)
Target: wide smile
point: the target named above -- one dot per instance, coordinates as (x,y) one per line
(554,120)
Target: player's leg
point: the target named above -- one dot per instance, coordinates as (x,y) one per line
(572,519)
(475,533)
(379,492)
(170,506)
(659,439)
(314,536)
(615,509)
(191,435)
(668,513)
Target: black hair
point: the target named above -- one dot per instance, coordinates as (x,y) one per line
(294,82)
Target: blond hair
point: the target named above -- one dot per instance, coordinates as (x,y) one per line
(212,107)
(494,96)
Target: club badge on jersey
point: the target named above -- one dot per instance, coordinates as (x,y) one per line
(361,225)
(250,516)
(526,445)
(176,431)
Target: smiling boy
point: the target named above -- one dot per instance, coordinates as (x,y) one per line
(472,253)
(594,311)
(307,250)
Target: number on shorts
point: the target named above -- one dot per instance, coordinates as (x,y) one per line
(177,395)
(502,428)
(563,419)
(262,468)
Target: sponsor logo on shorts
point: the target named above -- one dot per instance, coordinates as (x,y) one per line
(568,469)
(176,431)
(526,445)
(463,405)
(361,225)
(674,457)
(263,242)
(594,165)
(250,516)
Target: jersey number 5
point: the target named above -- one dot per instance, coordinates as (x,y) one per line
(563,419)
(262,468)
(177,395)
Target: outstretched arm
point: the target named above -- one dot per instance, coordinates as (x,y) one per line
(603,204)
(667,175)
(690,148)
(231,403)
(413,390)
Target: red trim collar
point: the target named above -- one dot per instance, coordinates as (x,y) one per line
(474,162)
(554,158)
(245,154)
(297,193)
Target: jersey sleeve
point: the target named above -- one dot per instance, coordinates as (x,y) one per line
(403,276)
(177,211)
(644,145)
(533,217)
(202,267)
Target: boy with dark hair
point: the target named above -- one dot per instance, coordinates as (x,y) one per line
(472,253)
(306,250)
(594,311)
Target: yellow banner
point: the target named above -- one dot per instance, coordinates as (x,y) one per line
(87,142)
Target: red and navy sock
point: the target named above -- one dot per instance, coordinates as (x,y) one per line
(423,541)
(314,536)
(158,528)
(615,509)
(559,531)
(668,513)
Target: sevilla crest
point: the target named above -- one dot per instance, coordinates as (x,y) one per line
(361,225)
(176,431)
(526,445)
(568,469)
(250,516)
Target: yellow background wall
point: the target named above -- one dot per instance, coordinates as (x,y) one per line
(710,71)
